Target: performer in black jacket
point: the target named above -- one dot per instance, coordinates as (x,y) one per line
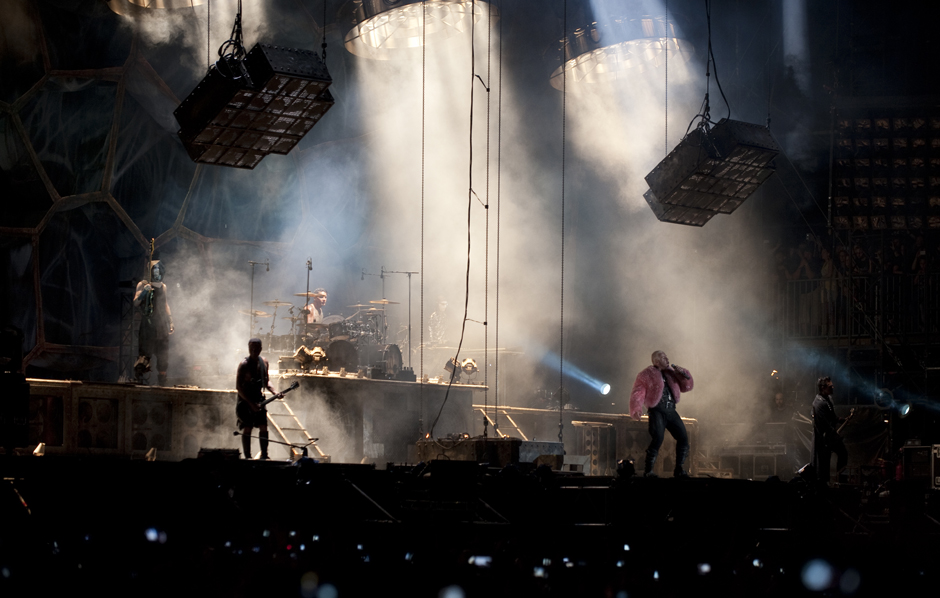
(826,439)
(251,380)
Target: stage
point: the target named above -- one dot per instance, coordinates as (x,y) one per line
(354,419)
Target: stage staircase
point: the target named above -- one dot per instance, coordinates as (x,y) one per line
(287,426)
(505,414)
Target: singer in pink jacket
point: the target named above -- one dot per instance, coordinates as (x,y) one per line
(658,388)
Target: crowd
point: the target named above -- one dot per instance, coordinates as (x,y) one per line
(817,281)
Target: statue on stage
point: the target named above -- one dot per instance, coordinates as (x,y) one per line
(156,324)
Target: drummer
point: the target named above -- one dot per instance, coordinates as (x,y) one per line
(314,308)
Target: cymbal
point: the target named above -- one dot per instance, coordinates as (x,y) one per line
(358,305)
(307,294)
(385,302)
(256,313)
(276,303)
(332,319)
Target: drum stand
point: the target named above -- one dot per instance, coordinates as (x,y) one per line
(409,304)
(384,332)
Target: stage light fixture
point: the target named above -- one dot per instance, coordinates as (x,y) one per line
(244,110)
(712,171)
(384,27)
(453,367)
(619,47)
(136,7)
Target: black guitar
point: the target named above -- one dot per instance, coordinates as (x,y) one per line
(279,395)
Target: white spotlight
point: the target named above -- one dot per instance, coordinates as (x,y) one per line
(619,47)
(384,27)
(605,389)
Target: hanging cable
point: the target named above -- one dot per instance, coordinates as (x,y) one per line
(666,51)
(323,44)
(711,55)
(234,48)
(470,196)
(208,35)
(704,112)
(486,251)
(561,333)
(499,154)
(424,20)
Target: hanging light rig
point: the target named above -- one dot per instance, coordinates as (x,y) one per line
(252,104)
(715,167)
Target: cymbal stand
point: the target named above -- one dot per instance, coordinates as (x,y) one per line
(384,271)
(271,332)
(379,333)
(293,329)
(251,302)
(307,296)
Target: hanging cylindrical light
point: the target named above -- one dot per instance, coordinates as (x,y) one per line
(384,27)
(617,47)
(132,7)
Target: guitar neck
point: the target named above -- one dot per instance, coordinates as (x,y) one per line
(847,420)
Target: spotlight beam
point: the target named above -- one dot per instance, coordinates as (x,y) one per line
(573,371)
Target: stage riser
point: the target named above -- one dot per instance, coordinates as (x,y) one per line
(604,438)
(116,420)
(354,419)
(378,420)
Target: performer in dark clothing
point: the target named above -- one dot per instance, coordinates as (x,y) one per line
(658,388)
(251,381)
(156,325)
(826,439)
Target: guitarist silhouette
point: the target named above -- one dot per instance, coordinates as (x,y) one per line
(251,382)
(826,438)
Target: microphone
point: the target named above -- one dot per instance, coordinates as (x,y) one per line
(267,266)
(363,277)
(680,370)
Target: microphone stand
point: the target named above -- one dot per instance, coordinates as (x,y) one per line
(408,273)
(251,302)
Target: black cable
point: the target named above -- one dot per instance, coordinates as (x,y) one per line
(424,46)
(666,51)
(499,150)
(486,260)
(561,333)
(233,48)
(470,194)
(704,112)
(323,44)
(711,54)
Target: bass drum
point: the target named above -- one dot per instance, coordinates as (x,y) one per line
(387,357)
(342,354)
(339,331)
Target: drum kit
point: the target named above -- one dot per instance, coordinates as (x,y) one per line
(350,343)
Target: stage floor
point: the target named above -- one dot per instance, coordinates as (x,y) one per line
(248,528)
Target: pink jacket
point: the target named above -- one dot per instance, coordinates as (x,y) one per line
(648,388)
